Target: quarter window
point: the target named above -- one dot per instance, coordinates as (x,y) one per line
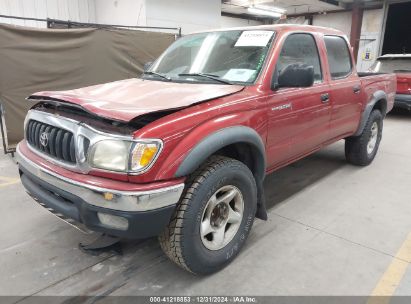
(339,58)
(300,49)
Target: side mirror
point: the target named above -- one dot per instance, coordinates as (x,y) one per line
(147,65)
(296,76)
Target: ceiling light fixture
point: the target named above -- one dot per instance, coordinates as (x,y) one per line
(271,8)
(267,11)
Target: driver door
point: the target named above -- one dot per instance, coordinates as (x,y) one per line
(299,117)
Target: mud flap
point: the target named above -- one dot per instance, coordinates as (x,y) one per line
(261,207)
(103,243)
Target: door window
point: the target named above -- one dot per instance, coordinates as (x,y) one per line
(300,49)
(339,57)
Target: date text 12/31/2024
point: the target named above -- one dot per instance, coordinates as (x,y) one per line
(203,299)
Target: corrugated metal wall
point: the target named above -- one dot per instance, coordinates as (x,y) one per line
(73,10)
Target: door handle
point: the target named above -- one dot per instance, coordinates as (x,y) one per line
(356,89)
(325,98)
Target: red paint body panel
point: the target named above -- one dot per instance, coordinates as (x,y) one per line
(288,134)
(383,82)
(126,99)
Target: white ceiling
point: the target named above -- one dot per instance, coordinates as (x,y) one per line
(292,6)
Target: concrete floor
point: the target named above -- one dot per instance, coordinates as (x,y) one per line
(333,229)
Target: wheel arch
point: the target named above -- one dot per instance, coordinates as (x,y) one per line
(238,142)
(378,101)
(228,142)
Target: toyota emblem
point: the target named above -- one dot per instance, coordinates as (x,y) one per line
(44,139)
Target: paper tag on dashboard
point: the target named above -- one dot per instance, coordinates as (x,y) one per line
(239,75)
(254,38)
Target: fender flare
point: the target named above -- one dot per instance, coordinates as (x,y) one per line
(220,139)
(376,97)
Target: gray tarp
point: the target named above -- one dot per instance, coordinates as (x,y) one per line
(33,60)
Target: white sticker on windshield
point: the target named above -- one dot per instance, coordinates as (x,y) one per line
(242,75)
(254,38)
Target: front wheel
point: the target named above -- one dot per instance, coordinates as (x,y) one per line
(213,218)
(361,150)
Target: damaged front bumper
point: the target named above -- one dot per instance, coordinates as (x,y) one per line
(127,214)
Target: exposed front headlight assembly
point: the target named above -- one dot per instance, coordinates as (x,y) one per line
(124,156)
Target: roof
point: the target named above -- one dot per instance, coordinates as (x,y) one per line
(281,27)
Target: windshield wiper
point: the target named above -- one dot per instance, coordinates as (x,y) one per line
(205,75)
(157,74)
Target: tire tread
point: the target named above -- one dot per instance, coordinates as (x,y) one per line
(171,238)
(356,147)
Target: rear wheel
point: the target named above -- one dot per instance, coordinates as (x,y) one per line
(361,150)
(214,216)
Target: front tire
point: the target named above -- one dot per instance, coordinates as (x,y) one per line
(361,150)
(213,218)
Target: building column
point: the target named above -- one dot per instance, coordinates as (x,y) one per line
(356,24)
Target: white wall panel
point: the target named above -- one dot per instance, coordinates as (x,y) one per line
(340,21)
(87,11)
(296,20)
(121,12)
(52,9)
(74,10)
(190,15)
(370,38)
(227,22)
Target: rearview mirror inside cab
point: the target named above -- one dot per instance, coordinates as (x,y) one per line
(296,75)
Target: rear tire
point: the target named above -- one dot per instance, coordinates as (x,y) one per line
(213,218)
(361,150)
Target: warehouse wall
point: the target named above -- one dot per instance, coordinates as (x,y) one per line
(226,22)
(371,38)
(121,12)
(190,15)
(80,10)
(296,20)
(340,21)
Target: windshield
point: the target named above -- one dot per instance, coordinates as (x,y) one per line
(391,65)
(217,57)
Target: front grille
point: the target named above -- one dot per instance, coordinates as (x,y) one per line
(55,142)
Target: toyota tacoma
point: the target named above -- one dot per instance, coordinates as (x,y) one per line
(181,153)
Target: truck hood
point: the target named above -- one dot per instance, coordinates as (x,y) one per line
(127,99)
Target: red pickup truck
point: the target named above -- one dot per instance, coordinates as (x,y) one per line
(182,152)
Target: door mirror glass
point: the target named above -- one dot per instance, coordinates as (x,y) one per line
(296,75)
(147,66)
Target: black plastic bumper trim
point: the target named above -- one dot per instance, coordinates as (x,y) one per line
(141,224)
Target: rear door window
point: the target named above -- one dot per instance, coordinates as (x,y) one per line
(339,57)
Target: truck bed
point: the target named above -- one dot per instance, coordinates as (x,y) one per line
(372,83)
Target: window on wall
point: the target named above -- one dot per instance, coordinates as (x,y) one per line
(300,49)
(339,57)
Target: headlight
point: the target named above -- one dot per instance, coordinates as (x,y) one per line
(110,155)
(124,156)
